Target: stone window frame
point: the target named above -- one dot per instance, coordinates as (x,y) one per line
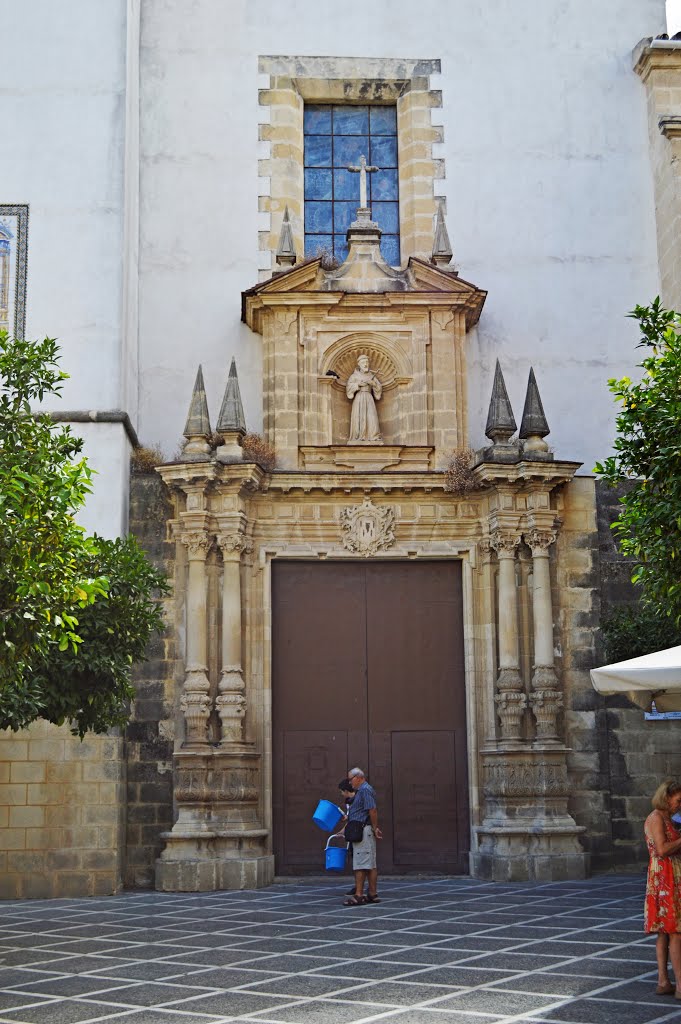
(286,83)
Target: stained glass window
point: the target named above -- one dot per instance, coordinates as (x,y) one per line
(335,136)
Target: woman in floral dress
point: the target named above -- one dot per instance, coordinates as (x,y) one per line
(662,913)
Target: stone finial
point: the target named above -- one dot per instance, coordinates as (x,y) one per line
(197,428)
(231,422)
(501,424)
(232,411)
(286,250)
(442,247)
(534,427)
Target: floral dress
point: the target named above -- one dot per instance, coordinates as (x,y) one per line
(662,911)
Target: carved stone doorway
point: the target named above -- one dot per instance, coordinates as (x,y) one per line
(368,669)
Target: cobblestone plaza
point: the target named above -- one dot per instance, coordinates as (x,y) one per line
(435,951)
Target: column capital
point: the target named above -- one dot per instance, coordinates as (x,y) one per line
(505,543)
(197,542)
(540,540)
(233,543)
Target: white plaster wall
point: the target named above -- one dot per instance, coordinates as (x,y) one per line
(549,189)
(63,102)
(107,450)
(63,76)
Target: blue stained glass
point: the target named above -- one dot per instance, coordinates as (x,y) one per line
(384,151)
(314,244)
(318,218)
(317,150)
(346,185)
(317,119)
(340,248)
(386,215)
(390,249)
(383,120)
(383,185)
(347,149)
(350,120)
(343,215)
(318,184)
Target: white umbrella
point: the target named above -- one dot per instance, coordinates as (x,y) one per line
(653,677)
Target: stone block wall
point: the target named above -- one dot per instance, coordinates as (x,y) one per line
(639,753)
(150,734)
(61,813)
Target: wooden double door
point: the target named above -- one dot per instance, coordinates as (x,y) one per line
(368,670)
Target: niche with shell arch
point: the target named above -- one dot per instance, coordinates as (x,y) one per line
(392,365)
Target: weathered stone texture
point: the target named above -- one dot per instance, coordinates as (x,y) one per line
(151,732)
(61,813)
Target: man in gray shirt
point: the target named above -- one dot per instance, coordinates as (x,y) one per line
(363,809)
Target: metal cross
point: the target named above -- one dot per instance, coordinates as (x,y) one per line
(363,170)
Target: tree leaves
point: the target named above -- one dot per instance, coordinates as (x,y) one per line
(52,575)
(647,451)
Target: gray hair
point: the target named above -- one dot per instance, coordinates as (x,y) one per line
(354,772)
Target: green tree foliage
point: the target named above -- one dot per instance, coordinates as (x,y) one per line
(633,630)
(75,611)
(648,453)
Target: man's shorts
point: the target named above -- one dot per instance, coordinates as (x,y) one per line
(364,853)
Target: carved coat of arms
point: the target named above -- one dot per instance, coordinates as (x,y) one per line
(367,528)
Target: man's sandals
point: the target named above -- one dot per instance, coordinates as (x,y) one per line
(359,901)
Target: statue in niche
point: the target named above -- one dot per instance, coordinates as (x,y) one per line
(364,389)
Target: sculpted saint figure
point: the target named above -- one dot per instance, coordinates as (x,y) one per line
(362,388)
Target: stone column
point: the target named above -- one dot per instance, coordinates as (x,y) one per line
(510,698)
(545,698)
(231,700)
(195,700)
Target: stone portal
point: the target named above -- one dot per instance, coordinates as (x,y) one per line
(369,499)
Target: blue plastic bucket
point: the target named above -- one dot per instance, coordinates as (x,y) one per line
(326,816)
(335,855)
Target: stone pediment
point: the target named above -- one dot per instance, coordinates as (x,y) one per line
(364,357)
(420,282)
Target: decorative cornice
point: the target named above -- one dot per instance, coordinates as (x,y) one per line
(97,416)
(670,124)
(656,55)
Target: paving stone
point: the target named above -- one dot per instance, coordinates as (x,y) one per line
(396,993)
(551,984)
(425,1016)
(601,1011)
(317,1012)
(63,1011)
(493,1001)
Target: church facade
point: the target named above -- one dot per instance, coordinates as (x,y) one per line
(417,270)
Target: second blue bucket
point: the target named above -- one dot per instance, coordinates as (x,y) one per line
(334,856)
(326,816)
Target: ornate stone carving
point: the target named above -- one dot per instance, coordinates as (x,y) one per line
(367,528)
(513,779)
(511,706)
(197,542)
(545,706)
(285,318)
(505,544)
(230,543)
(195,706)
(231,706)
(443,318)
(540,541)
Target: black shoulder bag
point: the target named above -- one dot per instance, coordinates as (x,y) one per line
(354,831)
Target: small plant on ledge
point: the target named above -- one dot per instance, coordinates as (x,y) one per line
(257,449)
(145,458)
(459,478)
